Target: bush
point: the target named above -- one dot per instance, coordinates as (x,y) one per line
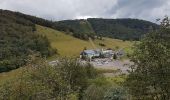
(38,80)
(116,93)
(101,44)
(94,92)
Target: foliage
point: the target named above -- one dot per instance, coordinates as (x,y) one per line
(116,93)
(104,88)
(40,81)
(150,76)
(80,28)
(101,44)
(18,40)
(124,29)
(114,56)
(94,92)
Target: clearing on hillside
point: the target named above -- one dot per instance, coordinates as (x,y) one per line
(69,46)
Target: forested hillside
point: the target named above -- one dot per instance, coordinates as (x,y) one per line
(80,28)
(18,40)
(125,29)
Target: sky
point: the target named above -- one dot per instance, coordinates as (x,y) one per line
(81,9)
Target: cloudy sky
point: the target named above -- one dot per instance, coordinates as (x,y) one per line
(76,9)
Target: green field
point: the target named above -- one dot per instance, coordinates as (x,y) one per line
(70,46)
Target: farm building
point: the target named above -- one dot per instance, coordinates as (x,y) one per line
(107,53)
(89,54)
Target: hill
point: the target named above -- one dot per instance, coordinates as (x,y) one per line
(71,47)
(80,28)
(67,46)
(125,29)
(18,40)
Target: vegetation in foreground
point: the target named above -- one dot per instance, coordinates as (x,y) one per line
(68,80)
(150,75)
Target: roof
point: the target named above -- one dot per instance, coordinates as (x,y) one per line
(89,51)
(107,51)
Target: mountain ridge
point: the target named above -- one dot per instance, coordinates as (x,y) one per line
(123,28)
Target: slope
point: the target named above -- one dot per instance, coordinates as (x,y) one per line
(80,28)
(67,46)
(71,47)
(17,41)
(125,29)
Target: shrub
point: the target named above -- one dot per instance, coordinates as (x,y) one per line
(101,44)
(116,93)
(38,80)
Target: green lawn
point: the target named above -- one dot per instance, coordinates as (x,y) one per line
(70,46)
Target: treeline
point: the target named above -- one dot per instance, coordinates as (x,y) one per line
(18,40)
(125,29)
(78,28)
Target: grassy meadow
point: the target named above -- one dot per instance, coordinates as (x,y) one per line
(69,46)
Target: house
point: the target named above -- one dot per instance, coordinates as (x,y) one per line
(107,53)
(89,54)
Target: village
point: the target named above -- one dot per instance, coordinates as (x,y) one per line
(105,59)
(93,54)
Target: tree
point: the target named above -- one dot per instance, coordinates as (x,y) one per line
(150,77)
(115,56)
(40,81)
(116,93)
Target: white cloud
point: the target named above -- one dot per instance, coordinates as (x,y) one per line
(71,9)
